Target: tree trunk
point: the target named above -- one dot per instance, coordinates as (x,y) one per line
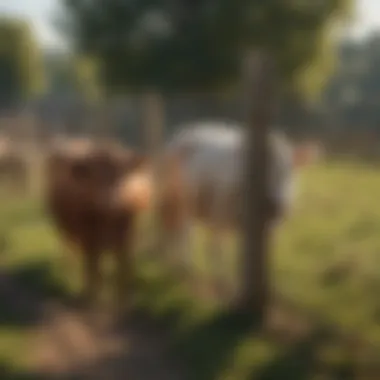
(259,79)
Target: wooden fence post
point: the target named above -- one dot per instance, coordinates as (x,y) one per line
(258,76)
(154,129)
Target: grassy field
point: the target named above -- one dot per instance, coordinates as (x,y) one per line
(326,272)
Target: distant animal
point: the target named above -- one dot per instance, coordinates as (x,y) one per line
(94,194)
(13,166)
(209,184)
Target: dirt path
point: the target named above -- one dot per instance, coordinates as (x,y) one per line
(70,344)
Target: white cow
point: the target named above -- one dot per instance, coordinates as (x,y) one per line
(211,164)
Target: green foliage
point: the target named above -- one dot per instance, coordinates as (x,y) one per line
(353,94)
(77,75)
(21,67)
(197,45)
(85,72)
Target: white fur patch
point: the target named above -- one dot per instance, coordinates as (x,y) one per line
(217,154)
(135,191)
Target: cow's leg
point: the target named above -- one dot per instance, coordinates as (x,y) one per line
(178,247)
(70,251)
(91,271)
(164,236)
(183,247)
(123,278)
(216,258)
(217,255)
(123,245)
(175,228)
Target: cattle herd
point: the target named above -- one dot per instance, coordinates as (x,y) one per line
(95,191)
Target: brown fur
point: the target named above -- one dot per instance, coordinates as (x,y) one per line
(83,197)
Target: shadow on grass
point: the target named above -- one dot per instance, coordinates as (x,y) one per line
(201,338)
(8,373)
(208,346)
(24,290)
(208,342)
(300,361)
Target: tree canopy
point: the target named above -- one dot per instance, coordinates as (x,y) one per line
(21,66)
(197,45)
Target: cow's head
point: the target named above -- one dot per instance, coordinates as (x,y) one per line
(94,174)
(133,190)
(105,168)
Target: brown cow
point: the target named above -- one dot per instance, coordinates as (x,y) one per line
(94,195)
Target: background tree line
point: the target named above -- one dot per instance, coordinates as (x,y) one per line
(353,93)
(127,46)
(28,72)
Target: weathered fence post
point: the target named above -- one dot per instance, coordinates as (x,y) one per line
(28,149)
(258,76)
(154,120)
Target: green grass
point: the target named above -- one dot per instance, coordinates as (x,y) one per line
(326,261)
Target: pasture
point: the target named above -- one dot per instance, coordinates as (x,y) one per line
(325,273)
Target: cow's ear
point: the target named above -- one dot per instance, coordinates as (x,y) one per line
(306,153)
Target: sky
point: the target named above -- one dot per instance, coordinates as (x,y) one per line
(41,12)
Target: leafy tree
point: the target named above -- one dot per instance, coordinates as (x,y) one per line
(21,66)
(85,73)
(197,45)
(353,93)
